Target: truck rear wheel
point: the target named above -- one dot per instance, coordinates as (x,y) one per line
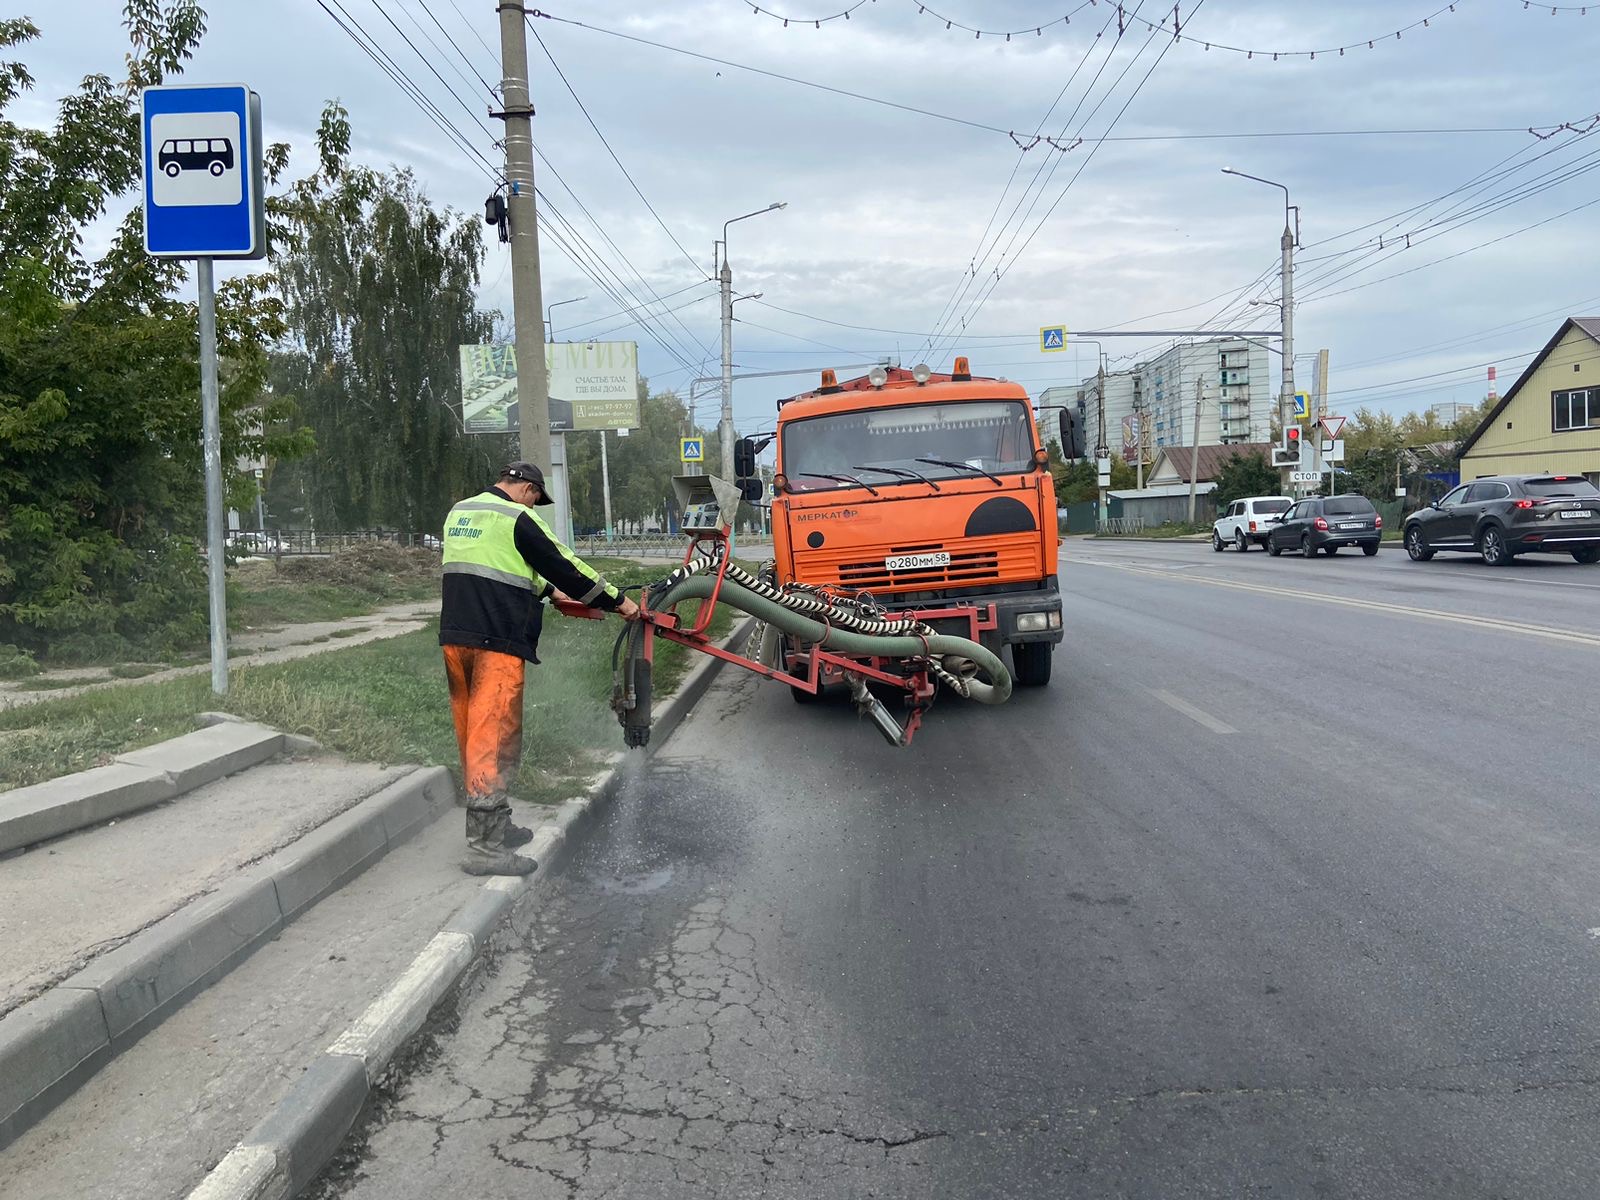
(1032,662)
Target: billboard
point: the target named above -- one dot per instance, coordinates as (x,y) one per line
(593,385)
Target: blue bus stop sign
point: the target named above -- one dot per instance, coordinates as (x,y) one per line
(202,172)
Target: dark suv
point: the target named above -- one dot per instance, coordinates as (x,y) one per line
(1503,516)
(1325,523)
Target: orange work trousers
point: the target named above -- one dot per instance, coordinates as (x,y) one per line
(486,703)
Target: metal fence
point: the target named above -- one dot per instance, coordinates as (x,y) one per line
(275,543)
(659,545)
(630,545)
(1122,525)
(285,542)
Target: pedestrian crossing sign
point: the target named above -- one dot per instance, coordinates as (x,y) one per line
(1302,406)
(692,450)
(1052,338)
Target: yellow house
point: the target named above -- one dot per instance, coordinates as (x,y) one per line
(1550,419)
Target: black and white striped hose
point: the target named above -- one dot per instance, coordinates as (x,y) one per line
(848,614)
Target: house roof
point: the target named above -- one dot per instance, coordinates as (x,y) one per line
(1589,325)
(1212,458)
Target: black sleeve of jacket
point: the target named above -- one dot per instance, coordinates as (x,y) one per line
(563,568)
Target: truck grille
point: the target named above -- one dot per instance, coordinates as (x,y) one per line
(1004,559)
(965,569)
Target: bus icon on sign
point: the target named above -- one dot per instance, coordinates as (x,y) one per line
(213,155)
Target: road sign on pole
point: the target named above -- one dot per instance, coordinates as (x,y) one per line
(1304,476)
(203,189)
(692,449)
(1333,425)
(1052,338)
(203,199)
(1302,405)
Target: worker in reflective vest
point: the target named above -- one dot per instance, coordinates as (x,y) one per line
(500,564)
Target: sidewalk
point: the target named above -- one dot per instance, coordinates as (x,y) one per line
(73,899)
(246,649)
(256,983)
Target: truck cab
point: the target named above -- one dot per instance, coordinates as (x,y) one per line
(932,493)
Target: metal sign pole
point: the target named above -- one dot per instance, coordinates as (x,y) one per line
(605,482)
(211,424)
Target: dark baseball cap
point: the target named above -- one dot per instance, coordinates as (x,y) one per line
(529,473)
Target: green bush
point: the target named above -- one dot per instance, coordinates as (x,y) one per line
(16,663)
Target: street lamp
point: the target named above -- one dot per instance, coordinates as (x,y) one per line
(725,277)
(550,321)
(1286,305)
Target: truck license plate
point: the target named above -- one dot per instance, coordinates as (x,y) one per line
(1572,516)
(916,562)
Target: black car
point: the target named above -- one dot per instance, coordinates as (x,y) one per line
(1502,516)
(1325,523)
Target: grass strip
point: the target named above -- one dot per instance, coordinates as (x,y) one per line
(383,701)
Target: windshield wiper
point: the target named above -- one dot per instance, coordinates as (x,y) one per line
(902,473)
(961,466)
(838,479)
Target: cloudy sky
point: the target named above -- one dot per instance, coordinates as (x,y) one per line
(921,234)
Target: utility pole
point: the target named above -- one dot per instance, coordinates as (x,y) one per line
(1102,449)
(1194,456)
(725,421)
(534,443)
(1286,269)
(725,279)
(1291,222)
(1138,439)
(211,444)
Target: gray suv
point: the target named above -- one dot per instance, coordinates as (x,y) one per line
(1502,516)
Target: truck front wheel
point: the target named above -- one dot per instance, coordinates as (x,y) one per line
(1032,662)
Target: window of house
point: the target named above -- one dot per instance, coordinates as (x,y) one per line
(1577,409)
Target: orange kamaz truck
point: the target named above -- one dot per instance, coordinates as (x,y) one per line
(930,492)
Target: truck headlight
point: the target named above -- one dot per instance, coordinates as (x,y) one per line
(1033,622)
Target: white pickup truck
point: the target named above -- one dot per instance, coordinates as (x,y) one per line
(1247,520)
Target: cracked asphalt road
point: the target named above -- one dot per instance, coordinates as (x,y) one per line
(1078,946)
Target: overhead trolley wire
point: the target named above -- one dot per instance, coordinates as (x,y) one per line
(626,174)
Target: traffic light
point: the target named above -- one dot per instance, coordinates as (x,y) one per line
(1288,454)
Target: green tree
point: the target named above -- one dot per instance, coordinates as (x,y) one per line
(642,465)
(100,464)
(1079,482)
(1244,475)
(380,289)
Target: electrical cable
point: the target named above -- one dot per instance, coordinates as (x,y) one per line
(817,22)
(1014,257)
(626,174)
(432,41)
(434,71)
(958,291)
(637,274)
(487,86)
(408,86)
(1046,171)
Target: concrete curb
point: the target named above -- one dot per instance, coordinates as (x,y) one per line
(138,779)
(287,1150)
(1188,539)
(53,1043)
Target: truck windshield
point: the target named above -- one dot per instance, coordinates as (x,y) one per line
(990,435)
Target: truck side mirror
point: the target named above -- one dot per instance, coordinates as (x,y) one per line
(744,458)
(751,489)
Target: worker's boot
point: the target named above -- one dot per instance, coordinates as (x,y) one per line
(515,835)
(487,851)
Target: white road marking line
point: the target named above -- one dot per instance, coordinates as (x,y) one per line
(1404,610)
(1595,933)
(1193,713)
